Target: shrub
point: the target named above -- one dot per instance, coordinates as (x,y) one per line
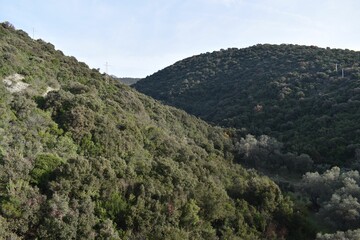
(44,165)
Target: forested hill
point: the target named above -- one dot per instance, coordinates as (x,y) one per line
(306,97)
(85,157)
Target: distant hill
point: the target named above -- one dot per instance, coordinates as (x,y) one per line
(128,80)
(85,157)
(306,97)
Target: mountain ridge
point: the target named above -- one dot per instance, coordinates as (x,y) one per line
(93,158)
(283,91)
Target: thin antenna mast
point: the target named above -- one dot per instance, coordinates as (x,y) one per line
(106,71)
(106,67)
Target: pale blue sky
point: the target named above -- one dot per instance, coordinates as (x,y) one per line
(140,37)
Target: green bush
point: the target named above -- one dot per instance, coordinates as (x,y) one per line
(44,166)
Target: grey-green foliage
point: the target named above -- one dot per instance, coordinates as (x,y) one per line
(95,159)
(265,152)
(5,233)
(336,194)
(21,206)
(348,235)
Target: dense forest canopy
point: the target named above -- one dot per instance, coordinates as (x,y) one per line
(306,97)
(85,157)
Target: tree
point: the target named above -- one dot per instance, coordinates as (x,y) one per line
(335,194)
(60,221)
(189,217)
(44,165)
(342,212)
(348,235)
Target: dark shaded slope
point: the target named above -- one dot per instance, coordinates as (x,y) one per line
(91,158)
(293,93)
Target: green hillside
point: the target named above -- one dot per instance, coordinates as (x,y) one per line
(85,157)
(306,97)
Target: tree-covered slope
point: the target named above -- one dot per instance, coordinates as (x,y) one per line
(85,157)
(306,97)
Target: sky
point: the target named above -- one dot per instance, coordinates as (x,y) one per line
(139,37)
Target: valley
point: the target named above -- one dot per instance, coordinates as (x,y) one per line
(263,144)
